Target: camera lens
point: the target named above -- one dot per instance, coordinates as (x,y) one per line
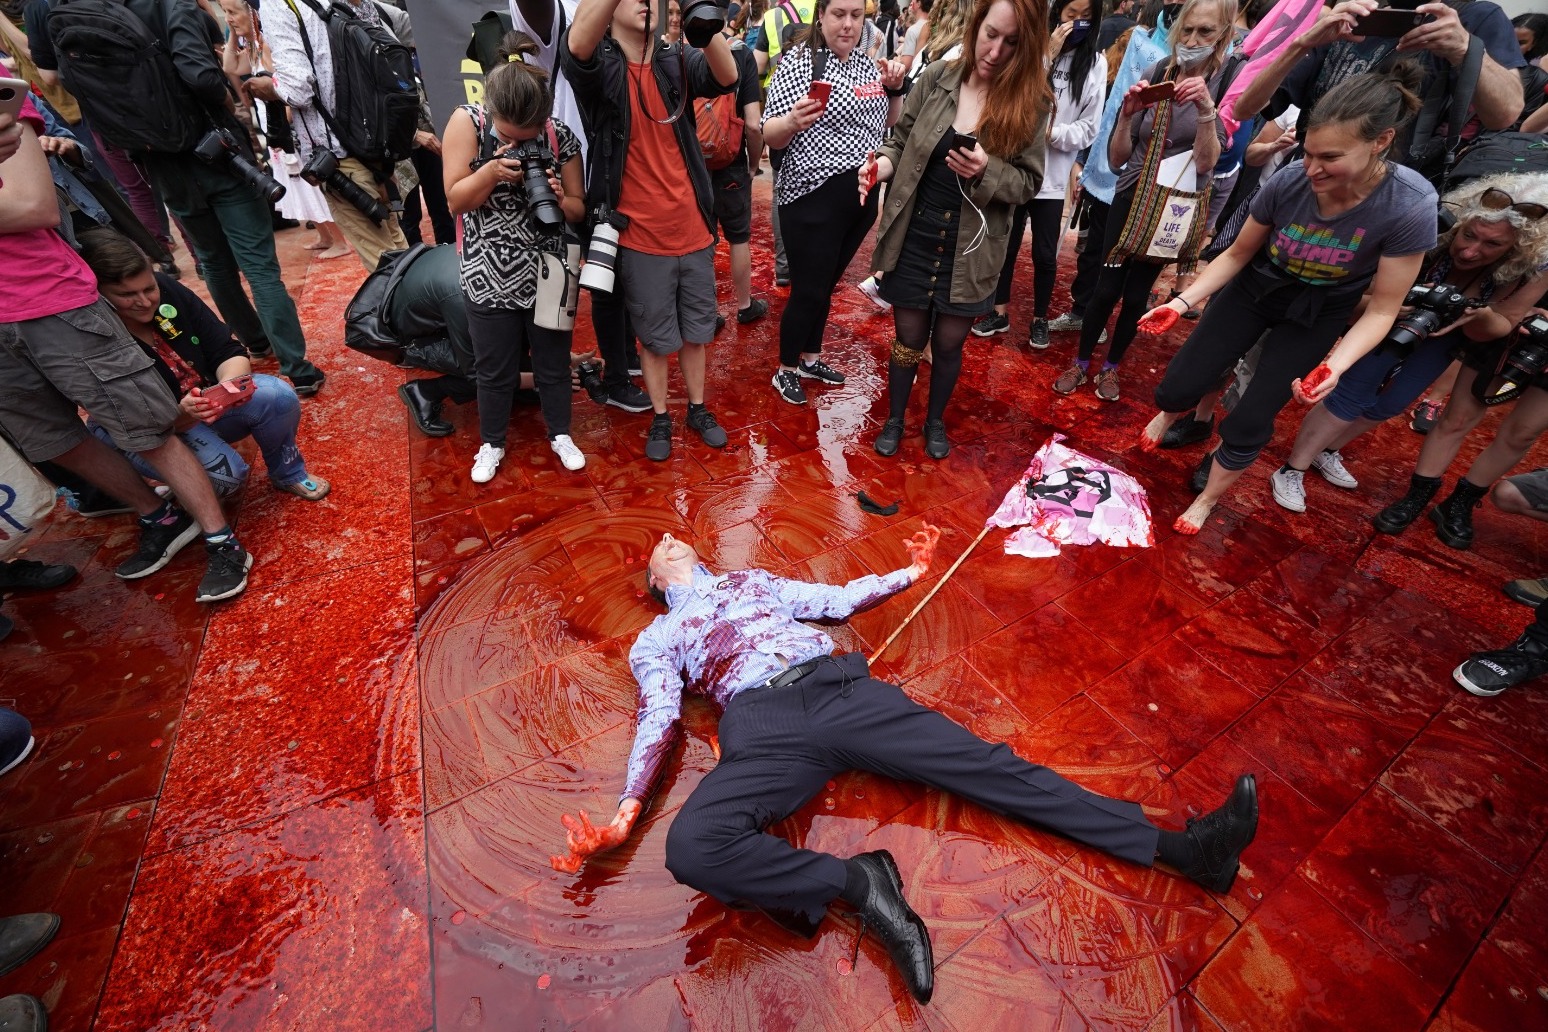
(601,257)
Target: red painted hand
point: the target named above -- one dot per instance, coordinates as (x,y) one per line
(921,548)
(867,177)
(585,838)
(1159,320)
(1317,384)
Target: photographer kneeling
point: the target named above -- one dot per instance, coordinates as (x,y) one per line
(1477,285)
(197,356)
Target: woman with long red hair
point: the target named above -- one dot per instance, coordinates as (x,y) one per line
(966,152)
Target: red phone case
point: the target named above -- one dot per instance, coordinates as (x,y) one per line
(820,92)
(229,393)
(1157,92)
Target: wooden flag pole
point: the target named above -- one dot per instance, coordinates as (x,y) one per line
(944,578)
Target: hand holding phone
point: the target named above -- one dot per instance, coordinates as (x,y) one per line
(1156,92)
(13,92)
(1389,21)
(820,92)
(226,395)
(964,142)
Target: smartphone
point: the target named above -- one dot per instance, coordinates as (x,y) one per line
(963,141)
(228,394)
(820,91)
(1157,92)
(1390,21)
(12,93)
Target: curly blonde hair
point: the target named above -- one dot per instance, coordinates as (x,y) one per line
(1530,252)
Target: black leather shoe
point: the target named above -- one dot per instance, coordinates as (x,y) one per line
(1200,478)
(888,914)
(426,413)
(1222,835)
(890,437)
(23,936)
(1395,518)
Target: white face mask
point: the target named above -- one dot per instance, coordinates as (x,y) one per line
(1189,56)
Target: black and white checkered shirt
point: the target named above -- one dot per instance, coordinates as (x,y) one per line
(849,130)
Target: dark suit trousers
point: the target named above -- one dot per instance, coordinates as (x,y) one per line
(779,746)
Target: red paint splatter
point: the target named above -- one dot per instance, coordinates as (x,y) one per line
(115,754)
(133,814)
(157,743)
(459,917)
(543,981)
(843,966)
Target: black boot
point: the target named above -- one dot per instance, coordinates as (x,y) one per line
(1454,517)
(1395,518)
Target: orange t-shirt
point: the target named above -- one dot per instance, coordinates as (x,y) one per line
(657,194)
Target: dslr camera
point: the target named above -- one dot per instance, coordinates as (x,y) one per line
(322,170)
(535,163)
(1433,306)
(220,148)
(701,20)
(1520,364)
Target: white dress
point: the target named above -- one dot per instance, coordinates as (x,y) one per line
(302,201)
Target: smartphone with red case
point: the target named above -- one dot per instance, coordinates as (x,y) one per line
(820,92)
(1156,92)
(228,394)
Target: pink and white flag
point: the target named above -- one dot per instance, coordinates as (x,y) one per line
(1067,498)
(1287,20)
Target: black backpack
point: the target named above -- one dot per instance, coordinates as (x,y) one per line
(369,329)
(123,75)
(1494,153)
(375,102)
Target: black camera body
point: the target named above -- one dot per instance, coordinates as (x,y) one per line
(322,171)
(1521,364)
(702,19)
(220,148)
(1434,305)
(536,160)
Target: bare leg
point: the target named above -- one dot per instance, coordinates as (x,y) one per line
(189,482)
(1519,431)
(1508,498)
(741,274)
(335,246)
(691,361)
(111,472)
(1220,481)
(1319,430)
(1463,412)
(1204,411)
(655,367)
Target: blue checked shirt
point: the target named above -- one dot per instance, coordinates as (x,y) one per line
(726,634)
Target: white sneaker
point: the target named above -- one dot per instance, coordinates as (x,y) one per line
(871,289)
(1331,465)
(486,462)
(1069,322)
(1289,490)
(568,454)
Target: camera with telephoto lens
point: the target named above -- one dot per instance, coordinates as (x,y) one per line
(702,19)
(535,163)
(1432,306)
(1521,362)
(602,252)
(322,170)
(219,147)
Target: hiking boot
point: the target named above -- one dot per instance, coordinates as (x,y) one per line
(226,576)
(658,439)
(1395,518)
(159,542)
(890,438)
(702,422)
(1527,592)
(820,370)
(788,383)
(1039,338)
(1188,431)
(1426,414)
(1107,384)
(1070,379)
(1453,518)
(1069,322)
(936,444)
(991,324)
(1490,673)
(28,575)
(1289,488)
(1331,465)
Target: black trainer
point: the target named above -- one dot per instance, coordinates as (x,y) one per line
(28,575)
(890,438)
(1200,478)
(756,309)
(702,422)
(307,385)
(158,544)
(886,912)
(1490,673)
(1187,431)
(658,439)
(936,444)
(820,370)
(1039,339)
(226,576)
(788,384)
(1220,837)
(991,324)
(628,397)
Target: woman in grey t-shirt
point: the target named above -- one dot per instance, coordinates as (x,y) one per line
(1321,232)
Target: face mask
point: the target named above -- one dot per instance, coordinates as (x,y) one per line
(1077,35)
(1189,56)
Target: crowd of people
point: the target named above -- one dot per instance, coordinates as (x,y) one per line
(1357,221)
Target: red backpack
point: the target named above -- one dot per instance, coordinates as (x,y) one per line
(720,130)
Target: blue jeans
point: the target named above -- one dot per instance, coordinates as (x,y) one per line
(1359,394)
(270,417)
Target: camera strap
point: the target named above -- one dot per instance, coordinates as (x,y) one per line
(1451,96)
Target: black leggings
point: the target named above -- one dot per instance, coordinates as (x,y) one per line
(918,327)
(1088,264)
(500,335)
(1047,219)
(822,229)
(1129,282)
(1231,325)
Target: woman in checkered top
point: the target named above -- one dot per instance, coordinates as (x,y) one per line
(827,142)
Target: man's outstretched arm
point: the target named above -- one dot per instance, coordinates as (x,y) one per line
(657,732)
(809,601)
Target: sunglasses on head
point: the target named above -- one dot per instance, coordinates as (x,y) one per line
(1498,200)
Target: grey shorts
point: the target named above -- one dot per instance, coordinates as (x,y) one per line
(1533,487)
(80,358)
(671,300)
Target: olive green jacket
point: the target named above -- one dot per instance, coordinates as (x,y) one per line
(927,115)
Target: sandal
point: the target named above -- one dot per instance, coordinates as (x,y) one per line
(313,489)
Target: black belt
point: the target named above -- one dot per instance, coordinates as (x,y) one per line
(790,675)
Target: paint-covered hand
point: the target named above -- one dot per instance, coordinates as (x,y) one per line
(1159,319)
(585,838)
(921,549)
(1318,384)
(867,176)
